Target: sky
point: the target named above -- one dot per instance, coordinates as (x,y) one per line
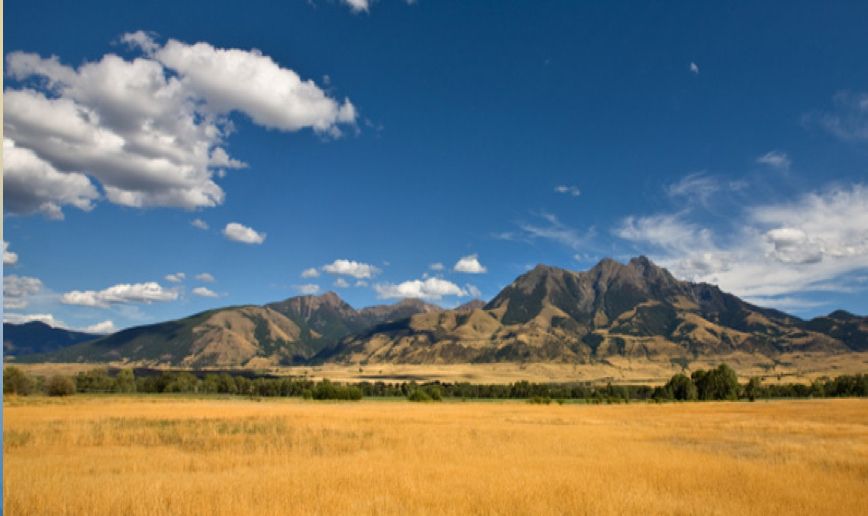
(164,158)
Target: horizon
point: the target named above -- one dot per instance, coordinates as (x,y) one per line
(398,301)
(367,153)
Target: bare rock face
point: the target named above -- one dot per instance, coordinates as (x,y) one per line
(636,310)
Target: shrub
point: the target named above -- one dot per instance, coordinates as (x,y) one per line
(16,381)
(539,400)
(59,385)
(419,395)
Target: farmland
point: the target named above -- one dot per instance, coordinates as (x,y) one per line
(231,455)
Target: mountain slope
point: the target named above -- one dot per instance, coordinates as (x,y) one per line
(38,337)
(636,310)
(285,332)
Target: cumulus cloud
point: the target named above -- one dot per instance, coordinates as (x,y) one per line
(102,328)
(568,190)
(778,249)
(17,290)
(48,319)
(205,277)
(431,289)
(470,265)
(252,83)
(148,292)
(204,292)
(694,68)
(341,283)
(352,268)
(308,289)
(150,130)
(9,258)
(775,159)
(33,185)
(241,233)
(199,224)
(310,273)
(177,277)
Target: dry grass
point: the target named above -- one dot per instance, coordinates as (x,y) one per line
(158,455)
(789,368)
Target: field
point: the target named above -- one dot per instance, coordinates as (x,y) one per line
(164,455)
(787,368)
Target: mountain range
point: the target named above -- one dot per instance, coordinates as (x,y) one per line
(548,314)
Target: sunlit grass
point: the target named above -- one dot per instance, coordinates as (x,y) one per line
(152,455)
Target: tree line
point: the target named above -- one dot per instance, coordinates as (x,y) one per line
(720,383)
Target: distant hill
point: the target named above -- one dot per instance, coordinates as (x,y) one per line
(285,332)
(38,337)
(637,310)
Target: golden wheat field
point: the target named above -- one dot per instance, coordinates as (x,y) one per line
(160,455)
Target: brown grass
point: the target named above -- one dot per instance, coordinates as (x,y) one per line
(152,455)
(789,368)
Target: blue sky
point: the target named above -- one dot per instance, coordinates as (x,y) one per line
(727,142)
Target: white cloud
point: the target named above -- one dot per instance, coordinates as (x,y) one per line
(775,159)
(430,289)
(352,268)
(341,283)
(26,318)
(778,249)
(177,277)
(360,283)
(696,187)
(437,266)
(17,290)
(250,82)
(151,129)
(310,273)
(470,265)
(569,190)
(473,290)
(667,231)
(357,6)
(849,118)
(694,68)
(33,185)
(9,258)
(553,229)
(101,328)
(199,223)
(204,292)
(205,277)
(241,233)
(308,289)
(123,293)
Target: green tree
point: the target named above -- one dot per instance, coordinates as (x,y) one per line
(717,384)
(125,381)
(681,388)
(16,381)
(59,385)
(754,389)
